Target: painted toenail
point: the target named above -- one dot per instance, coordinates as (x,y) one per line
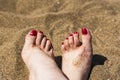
(66,38)
(62,43)
(84,31)
(75,32)
(33,33)
(41,32)
(71,34)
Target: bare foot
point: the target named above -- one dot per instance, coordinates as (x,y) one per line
(77,56)
(38,55)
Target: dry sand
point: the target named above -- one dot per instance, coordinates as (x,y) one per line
(58,18)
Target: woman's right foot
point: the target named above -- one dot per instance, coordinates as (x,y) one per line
(77,56)
(38,55)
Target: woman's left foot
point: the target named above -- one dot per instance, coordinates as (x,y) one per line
(38,55)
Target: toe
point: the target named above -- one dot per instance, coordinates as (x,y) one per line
(63,47)
(76,39)
(43,42)
(86,38)
(49,48)
(39,38)
(67,46)
(30,38)
(71,40)
(50,53)
(48,45)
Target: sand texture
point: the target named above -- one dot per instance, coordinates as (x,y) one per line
(58,18)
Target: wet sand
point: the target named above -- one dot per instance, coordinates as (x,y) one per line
(58,18)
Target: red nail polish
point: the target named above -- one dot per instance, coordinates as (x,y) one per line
(41,32)
(71,35)
(62,43)
(33,33)
(75,32)
(84,31)
(66,38)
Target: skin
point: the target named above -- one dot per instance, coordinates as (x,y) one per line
(77,55)
(38,56)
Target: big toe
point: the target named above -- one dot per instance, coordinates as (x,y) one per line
(30,38)
(86,38)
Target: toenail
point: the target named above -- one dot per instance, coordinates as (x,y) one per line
(33,33)
(84,31)
(71,34)
(41,32)
(75,32)
(62,43)
(66,38)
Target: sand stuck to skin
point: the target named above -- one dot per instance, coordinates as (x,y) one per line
(58,18)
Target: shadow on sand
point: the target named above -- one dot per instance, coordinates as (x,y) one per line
(97,60)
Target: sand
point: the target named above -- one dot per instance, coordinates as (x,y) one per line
(58,18)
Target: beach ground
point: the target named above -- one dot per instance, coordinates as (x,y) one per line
(58,18)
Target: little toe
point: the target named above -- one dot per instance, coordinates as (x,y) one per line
(30,38)
(39,38)
(76,39)
(66,42)
(71,40)
(86,38)
(50,53)
(43,42)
